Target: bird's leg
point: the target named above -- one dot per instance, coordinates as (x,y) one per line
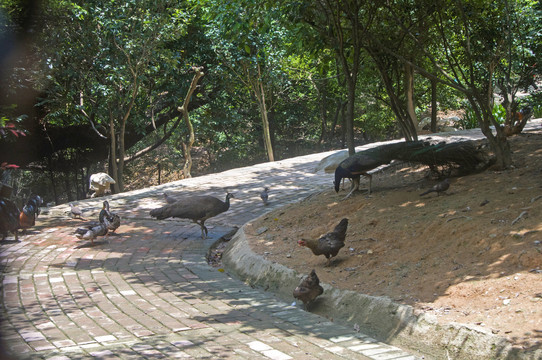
(370,181)
(203,228)
(353,187)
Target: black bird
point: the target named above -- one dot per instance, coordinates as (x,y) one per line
(264,195)
(31,210)
(9,218)
(438,188)
(196,208)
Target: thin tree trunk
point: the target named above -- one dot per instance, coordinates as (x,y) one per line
(53,184)
(113,171)
(434,109)
(350,117)
(187,147)
(260,95)
(411,118)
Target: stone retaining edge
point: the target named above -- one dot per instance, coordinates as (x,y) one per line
(378,317)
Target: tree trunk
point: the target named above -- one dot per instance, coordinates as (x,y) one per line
(343,124)
(113,171)
(498,141)
(350,116)
(260,95)
(187,147)
(411,119)
(434,109)
(120,165)
(53,185)
(322,106)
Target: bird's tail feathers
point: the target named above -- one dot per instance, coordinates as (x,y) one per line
(341,227)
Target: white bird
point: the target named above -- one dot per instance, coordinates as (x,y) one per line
(100,182)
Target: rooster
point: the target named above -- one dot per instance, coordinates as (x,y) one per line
(9,218)
(27,217)
(309,289)
(328,244)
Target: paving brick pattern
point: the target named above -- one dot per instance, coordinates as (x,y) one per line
(149,293)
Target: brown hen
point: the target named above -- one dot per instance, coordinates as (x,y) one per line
(309,289)
(328,244)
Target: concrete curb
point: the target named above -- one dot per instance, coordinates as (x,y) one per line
(378,317)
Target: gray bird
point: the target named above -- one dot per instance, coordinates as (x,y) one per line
(264,195)
(438,188)
(76,212)
(94,229)
(113,218)
(196,208)
(169,199)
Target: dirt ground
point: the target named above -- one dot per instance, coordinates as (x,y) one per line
(472,255)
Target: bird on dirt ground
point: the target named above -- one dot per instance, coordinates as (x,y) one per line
(364,161)
(76,212)
(113,218)
(94,229)
(309,289)
(196,208)
(31,210)
(9,218)
(438,188)
(328,244)
(264,195)
(464,156)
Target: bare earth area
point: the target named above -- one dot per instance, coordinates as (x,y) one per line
(472,255)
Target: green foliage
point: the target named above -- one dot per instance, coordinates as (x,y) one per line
(499,113)
(469,120)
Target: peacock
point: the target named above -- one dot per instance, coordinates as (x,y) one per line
(465,156)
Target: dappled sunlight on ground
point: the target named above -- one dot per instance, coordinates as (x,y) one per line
(472,255)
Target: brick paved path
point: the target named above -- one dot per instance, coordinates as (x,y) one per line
(149,293)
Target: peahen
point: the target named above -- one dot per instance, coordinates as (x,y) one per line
(196,208)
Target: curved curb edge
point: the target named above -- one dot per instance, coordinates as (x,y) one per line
(378,317)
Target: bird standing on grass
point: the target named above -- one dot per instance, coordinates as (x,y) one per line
(438,188)
(309,289)
(196,208)
(264,195)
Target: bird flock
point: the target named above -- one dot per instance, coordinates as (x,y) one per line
(199,208)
